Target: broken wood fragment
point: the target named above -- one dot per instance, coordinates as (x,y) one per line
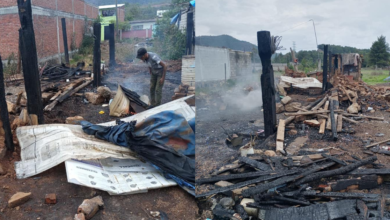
(311,112)
(333,120)
(320,104)
(322,126)
(342,170)
(254,163)
(350,120)
(234,176)
(374,144)
(364,116)
(339,123)
(334,159)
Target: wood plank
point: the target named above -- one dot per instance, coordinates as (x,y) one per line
(280,147)
(333,119)
(326,105)
(322,126)
(320,104)
(364,116)
(33,119)
(374,144)
(350,120)
(339,123)
(311,112)
(281,129)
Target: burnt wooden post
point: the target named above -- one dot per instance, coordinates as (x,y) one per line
(333,120)
(65,38)
(28,51)
(267,82)
(325,69)
(330,62)
(112,45)
(4,112)
(190,30)
(96,54)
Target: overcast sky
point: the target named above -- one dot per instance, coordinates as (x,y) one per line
(355,23)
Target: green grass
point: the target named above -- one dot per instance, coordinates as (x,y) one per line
(373,77)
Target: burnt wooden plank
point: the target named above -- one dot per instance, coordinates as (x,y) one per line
(313,212)
(349,195)
(234,176)
(370,171)
(254,163)
(325,69)
(266,186)
(65,39)
(267,82)
(28,50)
(292,201)
(4,117)
(366,182)
(334,159)
(97,55)
(112,45)
(333,120)
(249,182)
(342,170)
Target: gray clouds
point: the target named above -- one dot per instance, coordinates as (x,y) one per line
(355,23)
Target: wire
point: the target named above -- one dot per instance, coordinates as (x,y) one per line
(293,27)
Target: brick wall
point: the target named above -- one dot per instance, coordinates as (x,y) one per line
(51,4)
(45,27)
(7,3)
(121,14)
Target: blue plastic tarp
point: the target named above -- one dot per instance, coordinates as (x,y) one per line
(166,128)
(192,3)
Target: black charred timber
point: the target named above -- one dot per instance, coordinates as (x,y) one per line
(221,213)
(314,169)
(385,152)
(241,211)
(29,56)
(334,159)
(355,157)
(97,55)
(190,33)
(278,163)
(340,171)
(292,201)
(65,38)
(262,207)
(381,207)
(290,162)
(249,182)
(330,62)
(332,120)
(349,195)
(267,82)
(254,163)
(266,186)
(4,117)
(325,69)
(370,171)
(366,182)
(234,176)
(112,45)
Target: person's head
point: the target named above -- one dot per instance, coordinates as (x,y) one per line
(142,54)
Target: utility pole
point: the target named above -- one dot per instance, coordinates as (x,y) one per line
(315,34)
(117,19)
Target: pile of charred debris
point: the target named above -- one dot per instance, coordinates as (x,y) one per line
(318,184)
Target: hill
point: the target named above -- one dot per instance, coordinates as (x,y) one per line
(224,41)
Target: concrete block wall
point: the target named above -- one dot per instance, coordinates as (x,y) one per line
(240,64)
(47,16)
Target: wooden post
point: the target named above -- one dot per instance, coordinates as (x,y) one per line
(65,38)
(325,69)
(96,55)
(330,63)
(112,45)
(190,30)
(4,112)
(333,120)
(267,82)
(29,56)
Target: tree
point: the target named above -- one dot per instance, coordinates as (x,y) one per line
(379,54)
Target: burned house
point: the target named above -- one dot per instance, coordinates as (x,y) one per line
(348,64)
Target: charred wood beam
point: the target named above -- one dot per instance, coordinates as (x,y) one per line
(97,55)
(241,211)
(342,170)
(325,69)
(291,118)
(249,182)
(333,120)
(370,171)
(29,56)
(366,182)
(334,159)
(264,42)
(65,39)
(234,176)
(266,186)
(112,45)
(349,195)
(292,201)
(254,163)
(4,117)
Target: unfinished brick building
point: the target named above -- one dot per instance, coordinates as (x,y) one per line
(47,16)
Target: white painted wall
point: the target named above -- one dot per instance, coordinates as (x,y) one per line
(210,63)
(146,25)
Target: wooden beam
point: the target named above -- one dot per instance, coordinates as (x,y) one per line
(311,112)
(364,116)
(28,51)
(267,82)
(112,45)
(339,123)
(97,55)
(320,104)
(333,120)
(374,144)
(350,120)
(322,126)
(4,117)
(325,69)
(65,39)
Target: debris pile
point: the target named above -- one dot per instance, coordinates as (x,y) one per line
(183,90)
(62,72)
(127,102)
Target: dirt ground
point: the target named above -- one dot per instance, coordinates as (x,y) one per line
(214,112)
(174,201)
